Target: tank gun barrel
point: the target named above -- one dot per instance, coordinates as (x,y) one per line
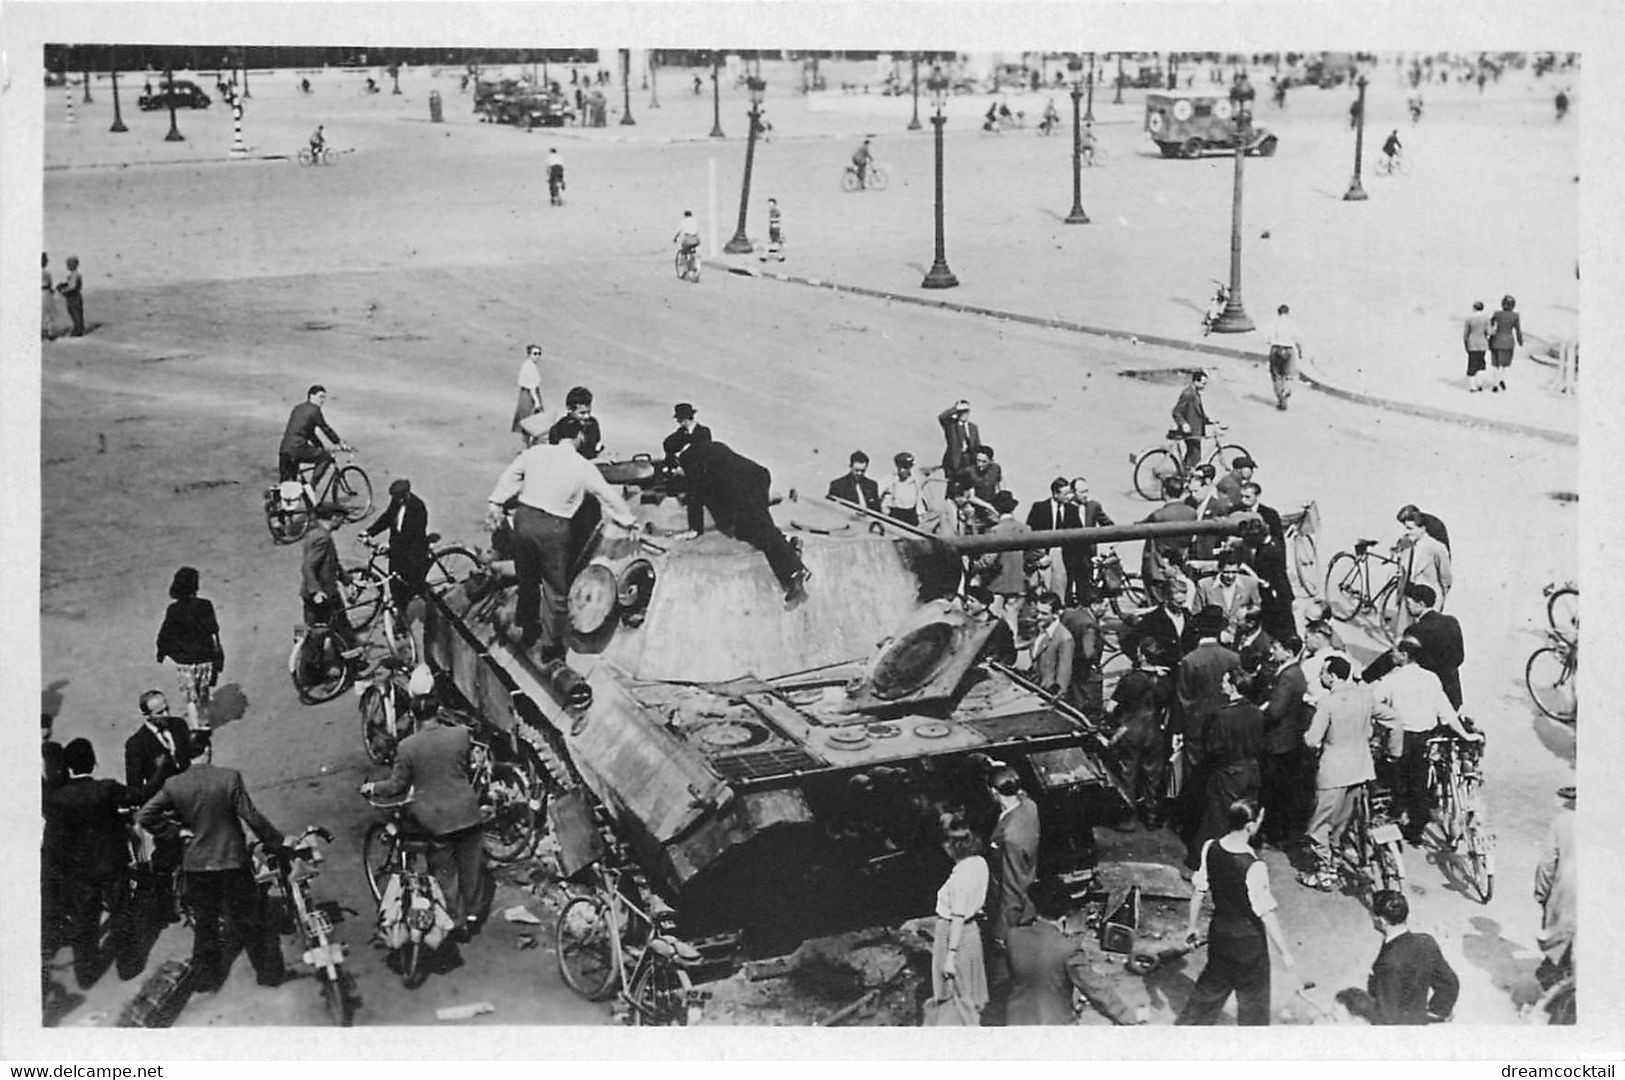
(1234,525)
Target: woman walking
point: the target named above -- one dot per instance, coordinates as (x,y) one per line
(1505,328)
(958,968)
(530,389)
(190,636)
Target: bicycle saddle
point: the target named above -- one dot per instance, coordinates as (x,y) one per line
(1362,546)
(678,952)
(432,538)
(1176,435)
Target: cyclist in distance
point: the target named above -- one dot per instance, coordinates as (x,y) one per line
(318,141)
(299,441)
(1087,143)
(1391,147)
(1052,117)
(688,235)
(861,160)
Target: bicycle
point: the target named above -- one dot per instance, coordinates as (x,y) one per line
(320,665)
(1093,155)
(290,505)
(1378,857)
(320,155)
(607,944)
(1397,165)
(1152,465)
(1455,783)
(383,706)
(1300,530)
(314,924)
(1551,676)
(688,264)
(1563,608)
(413,918)
(874,179)
(1349,592)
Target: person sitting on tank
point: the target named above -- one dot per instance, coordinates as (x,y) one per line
(735,490)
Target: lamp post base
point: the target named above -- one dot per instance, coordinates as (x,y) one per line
(627,121)
(739,245)
(174,136)
(939,277)
(716,133)
(1355,193)
(1077,217)
(1232,320)
(118,127)
(914,124)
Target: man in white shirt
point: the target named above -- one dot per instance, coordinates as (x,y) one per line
(903,495)
(1410,704)
(1286,349)
(549,482)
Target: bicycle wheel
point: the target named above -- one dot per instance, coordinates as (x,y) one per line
(1132,597)
(659,994)
(449,567)
(287,526)
(318,670)
(509,832)
(1389,612)
(1563,611)
(1391,866)
(352,491)
(363,593)
(377,854)
(305,156)
(395,640)
(376,736)
(586,954)
(409,959)
(849,181)
(1480,858)
(1306,564)
(1224,458)
(1345,586)
(1549,677)
(339,996)
(1149,470)
(877,178)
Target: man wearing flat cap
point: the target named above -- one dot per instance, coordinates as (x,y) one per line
(549,481)
(407,521)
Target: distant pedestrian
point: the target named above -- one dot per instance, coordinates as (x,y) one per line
(530,389)
(190,636)
(1286,350)
(1505,330)
(1243,924)
(775,232)
(72,290)
(1475,338)
(555,178)
(48,322)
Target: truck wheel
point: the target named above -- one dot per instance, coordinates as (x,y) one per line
(1191,148)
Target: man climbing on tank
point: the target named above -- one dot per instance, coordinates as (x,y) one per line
(735,489)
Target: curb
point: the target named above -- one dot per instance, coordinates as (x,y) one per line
(1426,411)
(169,161)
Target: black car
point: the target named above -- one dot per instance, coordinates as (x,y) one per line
(180,93)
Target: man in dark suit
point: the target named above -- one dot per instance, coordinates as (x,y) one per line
(1046,964)
(299,442)
(1410,982)
(1286,774)
(1168,623)
(434,764)
(1269,557)
(855,486)
(1056,512)
(407,520)
(1080,558)
(319,574)
(735,490)
(688,430)
(1190,417)
(1161,558)
(1440,637)
(213,803)
(961,439)
(85,836)
(160,747)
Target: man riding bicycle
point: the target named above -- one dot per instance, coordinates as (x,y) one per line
(1052,117)
(861,159)
(1086,144)
(299,441)
(300,444)
(1391,147)
(688,236)
(318,142)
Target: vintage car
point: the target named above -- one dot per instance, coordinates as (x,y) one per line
(1189,123)
(520,104)
(181,93)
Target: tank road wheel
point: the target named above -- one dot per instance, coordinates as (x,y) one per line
(1149,471)
(1191,148)
(586,955)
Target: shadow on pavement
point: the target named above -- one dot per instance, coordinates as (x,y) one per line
(227,704)
(1485,948)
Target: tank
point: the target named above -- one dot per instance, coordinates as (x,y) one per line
(779,773)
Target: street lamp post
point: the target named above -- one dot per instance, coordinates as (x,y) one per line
(716,96)
(84,62)
(1356,193)
(740,244)
(174,129)
(246,94)
(1117,99)
(914,124)
(939,276)
(1089,108)
(626,88)
(118,116)
(654,89)
(1077,216)
(1233,319)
